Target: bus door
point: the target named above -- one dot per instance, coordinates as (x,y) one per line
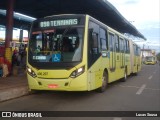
(117,56)
(131,55)
(93,56)
(112,58)
(122,53)
(135,61)
(112,61)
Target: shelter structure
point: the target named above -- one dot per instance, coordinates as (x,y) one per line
(100,9)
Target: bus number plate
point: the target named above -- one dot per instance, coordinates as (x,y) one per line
(52,86)
(42,73)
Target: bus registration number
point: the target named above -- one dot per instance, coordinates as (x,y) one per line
(42,73)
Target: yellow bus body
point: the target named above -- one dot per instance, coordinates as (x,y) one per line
(114,64)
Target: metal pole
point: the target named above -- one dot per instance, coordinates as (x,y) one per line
(9,26)
(9,30)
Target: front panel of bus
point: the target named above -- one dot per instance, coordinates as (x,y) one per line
(150,60)
(56,54)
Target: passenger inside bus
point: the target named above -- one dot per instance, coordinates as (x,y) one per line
(38,49)
(77,53)
(67,45)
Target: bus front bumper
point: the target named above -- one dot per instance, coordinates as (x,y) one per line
(70,84)
(149,63)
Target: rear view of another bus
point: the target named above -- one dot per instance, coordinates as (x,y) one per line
(150,60)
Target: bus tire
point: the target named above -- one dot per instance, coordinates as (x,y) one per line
(125,76)
(104,83)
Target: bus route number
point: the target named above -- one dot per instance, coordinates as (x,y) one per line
(42,73)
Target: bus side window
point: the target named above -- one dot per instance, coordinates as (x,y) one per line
(103,38)
(128,50)
(94,40)
(137,51)
(94,43)
(111,42)
(121,45)
(134,49)
(117,43)
(125,46)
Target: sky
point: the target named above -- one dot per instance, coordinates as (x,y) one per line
(145,16)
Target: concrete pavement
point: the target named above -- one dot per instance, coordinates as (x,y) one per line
(13,86)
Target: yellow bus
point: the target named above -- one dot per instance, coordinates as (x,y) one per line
(78,53)
(150,60)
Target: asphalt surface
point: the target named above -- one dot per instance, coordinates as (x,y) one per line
(138,93)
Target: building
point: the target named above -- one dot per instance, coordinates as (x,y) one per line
(147,52)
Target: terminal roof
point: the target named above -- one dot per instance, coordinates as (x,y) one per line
(99,9)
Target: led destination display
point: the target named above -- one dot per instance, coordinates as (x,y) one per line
(53,23)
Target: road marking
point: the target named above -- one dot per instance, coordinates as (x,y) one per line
(116,118)
(141,89)
(150,77)
(129,86)
(153,89)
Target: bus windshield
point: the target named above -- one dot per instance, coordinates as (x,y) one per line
(149,58)
(56,45)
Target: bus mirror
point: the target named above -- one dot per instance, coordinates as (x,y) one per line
(104,54)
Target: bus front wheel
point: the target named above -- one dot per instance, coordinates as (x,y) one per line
(104,83)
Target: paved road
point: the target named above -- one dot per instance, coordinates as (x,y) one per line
(138,93)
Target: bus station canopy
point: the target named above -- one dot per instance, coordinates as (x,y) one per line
(99,9)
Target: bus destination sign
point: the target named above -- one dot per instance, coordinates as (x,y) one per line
(54,23)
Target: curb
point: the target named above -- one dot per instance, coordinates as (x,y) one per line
(13,93)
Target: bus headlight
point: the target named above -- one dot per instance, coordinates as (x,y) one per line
(31,72)
(77,72)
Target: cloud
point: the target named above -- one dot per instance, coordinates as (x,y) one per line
(154,45)
(138,10)
(145,14)
(131,1)
(152,34)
